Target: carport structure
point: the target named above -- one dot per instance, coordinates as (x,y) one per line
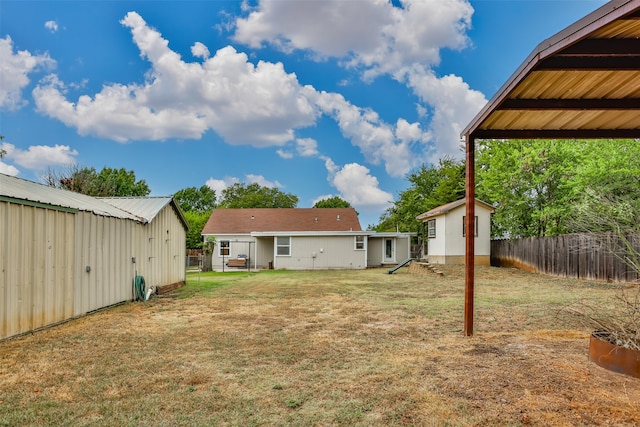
(582,83)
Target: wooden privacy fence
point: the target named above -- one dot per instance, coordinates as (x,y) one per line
(588,256)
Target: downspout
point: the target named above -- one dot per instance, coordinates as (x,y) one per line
(470,235)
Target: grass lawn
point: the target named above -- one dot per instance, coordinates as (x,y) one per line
(352,348)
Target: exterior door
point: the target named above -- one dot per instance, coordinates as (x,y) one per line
(389,248)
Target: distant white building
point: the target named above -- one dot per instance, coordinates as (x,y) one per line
(445,226)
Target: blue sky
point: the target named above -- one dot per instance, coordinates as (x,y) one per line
(317,98)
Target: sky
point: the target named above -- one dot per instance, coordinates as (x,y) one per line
(317,98)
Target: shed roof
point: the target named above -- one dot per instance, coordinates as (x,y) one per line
(20,189)
(139,209)
(246,221)
(448,207)
(583,82)
(146,207)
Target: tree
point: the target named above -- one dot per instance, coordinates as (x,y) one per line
(431,186)
(197,205)
(109,182)
(194,199)
(197,221)
(332,202)
(2,152)
(255,196)
(536,185)
(529,182)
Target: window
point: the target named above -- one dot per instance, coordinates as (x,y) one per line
(223,249)
(283,246)
(359,242)
(431,228)
(464,226)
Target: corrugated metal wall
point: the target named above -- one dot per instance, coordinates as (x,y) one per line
(59,263)
(102,246)
(36,267)
(160,248)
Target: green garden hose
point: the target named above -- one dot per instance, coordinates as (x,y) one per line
(139,288)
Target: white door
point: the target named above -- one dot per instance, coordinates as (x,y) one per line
(389,249)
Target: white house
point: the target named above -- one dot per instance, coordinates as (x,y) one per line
(64,254)
(299,239)
(445,230)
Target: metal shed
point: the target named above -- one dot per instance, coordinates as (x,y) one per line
(64,254)
(584,82)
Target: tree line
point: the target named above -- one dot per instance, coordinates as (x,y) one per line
(538,188)
(195,203)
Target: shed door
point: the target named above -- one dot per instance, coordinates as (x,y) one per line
(389,250)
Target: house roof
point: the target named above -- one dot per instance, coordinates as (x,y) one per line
(146,207)
(246,221)
(583,82)
(446,208)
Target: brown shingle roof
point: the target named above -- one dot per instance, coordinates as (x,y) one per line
(244,221)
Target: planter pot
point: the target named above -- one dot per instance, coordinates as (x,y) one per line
(613,357)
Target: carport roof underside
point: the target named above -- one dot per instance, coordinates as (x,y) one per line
(584,82)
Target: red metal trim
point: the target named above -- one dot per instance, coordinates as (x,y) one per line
(470,238)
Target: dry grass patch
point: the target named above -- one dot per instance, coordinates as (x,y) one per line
(322,348)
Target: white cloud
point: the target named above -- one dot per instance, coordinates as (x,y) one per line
(303,25)
(16,67)
(378,141)
(323,197)
(454,105)
(199,50)
(38,157)
(8,169)
(372,34)
(51,26)
(218,185)
(361,189)
(260,105)
(284,154)
(262,181)
(403,41)
(307,147)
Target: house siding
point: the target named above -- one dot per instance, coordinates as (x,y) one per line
(322,252)
(374,252)
(238,245)
(264,252)
(449,245)
(403,248)
(375,245)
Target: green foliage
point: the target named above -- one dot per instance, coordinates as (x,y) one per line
(332,202)
(529,182)
(109,182)
(2,152)
(209,244)
(431,186)
(197,221)
(546,187)
(197,205)
(255,196)
(201,199)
